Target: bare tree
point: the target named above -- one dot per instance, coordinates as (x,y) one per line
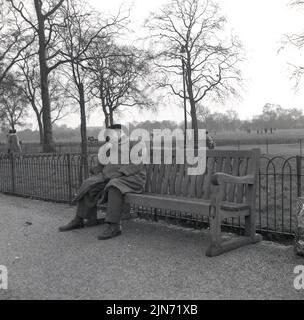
(29,81)
(15,38)
(43,26)
(13,104)
(296,40)
(190,41)
(81,28)
(119,75)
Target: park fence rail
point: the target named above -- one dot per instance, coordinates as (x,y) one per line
(54,177)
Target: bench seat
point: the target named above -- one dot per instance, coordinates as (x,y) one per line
(183,204)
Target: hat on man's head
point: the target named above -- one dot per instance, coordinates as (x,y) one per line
(115,127)
(123,129)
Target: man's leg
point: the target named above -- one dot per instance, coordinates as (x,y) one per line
(115,206)
(114,214)
(86,209)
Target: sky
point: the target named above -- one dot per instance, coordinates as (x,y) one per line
(260,24)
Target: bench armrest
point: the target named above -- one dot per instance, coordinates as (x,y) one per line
(220,177)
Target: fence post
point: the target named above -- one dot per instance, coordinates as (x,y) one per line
(69,177)
(299,176)
(13,172)
(80,173)
(301,149)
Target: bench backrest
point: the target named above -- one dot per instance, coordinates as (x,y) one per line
(174,180)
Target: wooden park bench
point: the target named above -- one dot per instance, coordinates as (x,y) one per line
(226,190)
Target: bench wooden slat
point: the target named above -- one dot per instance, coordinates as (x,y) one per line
(149,175)
(186,183)
(227,169)
(207,180)
(173,175)
(154,177)
(219,164)
(240,188)
(192,187)
(235,172)
(166,180)
(160,179)
(179,179)
(199,186)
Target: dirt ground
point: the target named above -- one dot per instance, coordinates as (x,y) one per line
(149,261)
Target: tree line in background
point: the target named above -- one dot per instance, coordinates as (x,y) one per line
(272,118)
(62,56)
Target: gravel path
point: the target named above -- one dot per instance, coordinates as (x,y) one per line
(149,261)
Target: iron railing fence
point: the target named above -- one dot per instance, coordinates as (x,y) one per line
(50,177)
(57,177)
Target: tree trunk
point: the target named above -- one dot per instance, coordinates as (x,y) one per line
(39,121)
(194,124)
(83,129)
(40,126)
(111,117)
(193,106)
(185,107)
(12,122)
(107,121)
(45,97)
(104,107)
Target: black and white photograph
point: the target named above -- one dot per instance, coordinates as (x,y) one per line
(151,153)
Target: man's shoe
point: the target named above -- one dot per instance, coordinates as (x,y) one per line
(112,231)
(94,222)
(73,225)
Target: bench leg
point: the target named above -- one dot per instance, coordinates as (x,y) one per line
(226,246)
(218,247)
(215,229)
(250,226)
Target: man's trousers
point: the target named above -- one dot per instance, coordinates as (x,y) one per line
(87,206)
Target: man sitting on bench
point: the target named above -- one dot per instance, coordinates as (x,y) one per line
(109,184)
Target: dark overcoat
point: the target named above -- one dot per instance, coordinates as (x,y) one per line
(128,178)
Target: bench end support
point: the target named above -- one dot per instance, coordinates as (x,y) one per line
(216,250)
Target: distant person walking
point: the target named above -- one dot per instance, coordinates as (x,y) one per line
(210,141)
(13,142)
